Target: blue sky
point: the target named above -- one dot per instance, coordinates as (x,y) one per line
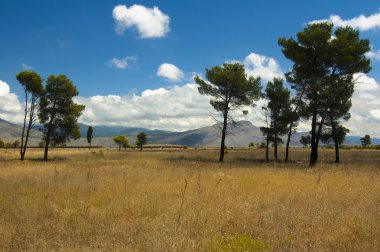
(115,59)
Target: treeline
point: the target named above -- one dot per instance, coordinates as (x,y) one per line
(321,81)
(318,88)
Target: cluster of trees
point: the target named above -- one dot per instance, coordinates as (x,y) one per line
(53,106)
(122,141)
(321,86)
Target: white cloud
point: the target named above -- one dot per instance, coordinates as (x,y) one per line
(122,63)
(177,108)
(149,22)
(365,113)
(170,72)
(26,67)
(10,107)
(374,55)
(360,22)
(262,66)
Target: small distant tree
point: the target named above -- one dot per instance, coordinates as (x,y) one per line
(305,141)
(58,112)
(141,140)
(230,89)
(2,144)
(121,141)
(31,83)
(16,144)
(251,144)
(90,132)
(277,110)
(366,141)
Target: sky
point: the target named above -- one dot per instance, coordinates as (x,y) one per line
(133,62)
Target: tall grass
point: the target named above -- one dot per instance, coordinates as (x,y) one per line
(186,201)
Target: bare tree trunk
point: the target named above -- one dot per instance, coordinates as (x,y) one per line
(22,153)
(275,147)
(222,143)
(288,142)
(267,149)
(333,127)
(313,145)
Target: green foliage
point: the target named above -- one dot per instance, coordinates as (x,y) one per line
(31,82)
(230,89)
(323,70)
(305,140)
(141,140)
(2,145)
(366,141)
(277,112)
(33,89)
(121,141)
(251,144)
(90,132)
(58,113)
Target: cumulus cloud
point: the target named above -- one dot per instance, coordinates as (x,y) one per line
(365,113)
(126,62)
(170,72)
(360,22)
(10,107)
(149,22)
(374,55)
(262,66)
(177,108)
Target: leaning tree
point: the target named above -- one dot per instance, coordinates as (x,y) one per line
(31,83)
(230,89)
(58,112)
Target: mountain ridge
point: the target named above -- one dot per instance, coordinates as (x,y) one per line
(239,135)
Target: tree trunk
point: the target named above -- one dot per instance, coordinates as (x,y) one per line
(288,142)
(47,142)
(333,127)
(267,149)
(222,143)
(275,147)
(22,152)
(314,147)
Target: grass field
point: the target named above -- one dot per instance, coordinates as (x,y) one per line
(187,201)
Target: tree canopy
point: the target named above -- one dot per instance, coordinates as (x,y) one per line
(141,140)
(324,66)
(230,89)
(33,89)
(121,141)
(58,113)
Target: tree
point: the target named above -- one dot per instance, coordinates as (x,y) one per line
(121,141)
(2,145)
(31,83)
(90,132)
(324,66)
(141,140)
(16,144)
(305,140)
(337,134)
(366,141)
(230,89)
(277,110)
(58,112)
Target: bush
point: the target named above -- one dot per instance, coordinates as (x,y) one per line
(1,144)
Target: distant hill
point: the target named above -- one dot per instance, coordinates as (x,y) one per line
(240,135)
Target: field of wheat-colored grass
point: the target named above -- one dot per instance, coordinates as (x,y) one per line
(185,200)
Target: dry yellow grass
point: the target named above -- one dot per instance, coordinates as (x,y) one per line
(186,201)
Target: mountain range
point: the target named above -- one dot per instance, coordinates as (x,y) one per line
(239,135)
